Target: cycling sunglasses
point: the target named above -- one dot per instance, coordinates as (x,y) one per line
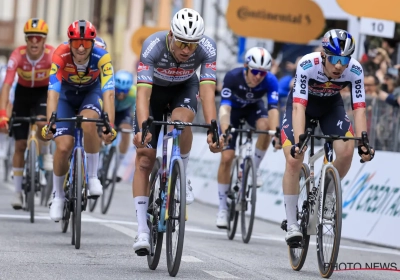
(87,44)
(334,59)
(255,72)
(182,44)
(119,91)
(38,38)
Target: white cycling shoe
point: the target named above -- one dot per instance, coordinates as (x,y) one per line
(95,187)
(56,209)
(141,244)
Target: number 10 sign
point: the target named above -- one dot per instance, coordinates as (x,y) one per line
(377,27)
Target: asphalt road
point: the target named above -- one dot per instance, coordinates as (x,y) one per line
(41,251)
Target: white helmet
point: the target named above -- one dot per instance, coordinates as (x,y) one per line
(187,24)
(258,58)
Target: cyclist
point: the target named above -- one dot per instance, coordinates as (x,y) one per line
(125,101)
(316,94)
(32,62)
(241,97)
(167,76)
(80,77)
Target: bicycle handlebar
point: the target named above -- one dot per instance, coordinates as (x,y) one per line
(213,127)
(230,130)
(304,138)
(31,120)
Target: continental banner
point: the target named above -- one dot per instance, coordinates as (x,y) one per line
(382,9)
(284,21)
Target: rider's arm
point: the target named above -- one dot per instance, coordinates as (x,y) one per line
(52,102)
(358,100)
(143,95)
(9,79)
(224,117)
(55,80)
(226,102)
(107,85)
(273,99)
(300,99)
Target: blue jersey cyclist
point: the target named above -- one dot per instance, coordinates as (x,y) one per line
(241,98)
(81,81)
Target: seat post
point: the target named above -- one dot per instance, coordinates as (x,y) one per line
(314,124)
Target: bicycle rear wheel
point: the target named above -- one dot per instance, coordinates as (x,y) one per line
(77,198)
(233,195)
(67,205)
(110,179)
(155,201)
(32,156)
(331,227)
(176,203)
(248,198)
(298,255)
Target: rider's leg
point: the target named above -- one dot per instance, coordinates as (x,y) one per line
(262,143)
(46,158)
(18,169)
(125,141)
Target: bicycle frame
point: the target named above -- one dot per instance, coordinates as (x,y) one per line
(78,134)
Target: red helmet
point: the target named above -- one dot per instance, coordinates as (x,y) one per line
(81,29)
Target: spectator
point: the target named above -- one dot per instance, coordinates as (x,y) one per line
(390,46)
(378,63)
(390,80)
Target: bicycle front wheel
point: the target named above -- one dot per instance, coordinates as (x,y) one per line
(232,198)
(110,173)
(155,202)
(248,198)
(298,255)
(77,197)
(32,179)
(330,231)
(176,203)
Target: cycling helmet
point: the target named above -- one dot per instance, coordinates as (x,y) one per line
(187,24)
(100,43)
(258,58)
(36,26)
(338,42)
(81,29)
(123,80)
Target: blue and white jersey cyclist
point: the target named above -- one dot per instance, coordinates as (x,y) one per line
(320,76)
(242,97)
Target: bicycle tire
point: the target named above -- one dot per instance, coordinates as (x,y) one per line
(77,187)
(109,185)
(67,206)
(233,215)
(249,165)
(156,238)
(173,262)
(297,262)
(32,179)
(327,267)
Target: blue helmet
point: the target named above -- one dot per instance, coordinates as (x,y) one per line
(123,80)
(338,42)
(100,43)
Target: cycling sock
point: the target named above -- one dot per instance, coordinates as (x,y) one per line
(44,147)
(258,157)
(58,184)
(222,193)
(17,174)
(141,204)
(185,159)
(291,208)
(92,164)
(121,157)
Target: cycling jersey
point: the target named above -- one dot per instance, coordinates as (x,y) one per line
(31,73)
(237,94)
(315,91)
(158,66)
(129,101)
(64,71)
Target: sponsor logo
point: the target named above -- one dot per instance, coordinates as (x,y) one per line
(211,51)
(245,12)
(212,66)
(142,67)
(164,60)
(356,70)
(306,64)
(226,93)
(303,85)
(249,95)
(54,68)
(150,47)
(316,61)
(358,89)
(275,95)
(12,64)
(175,71)
(107,69)
(77,80)
(161,64)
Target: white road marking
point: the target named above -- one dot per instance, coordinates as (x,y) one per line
(197,230)
(190,259)
(127,231)
(221,274)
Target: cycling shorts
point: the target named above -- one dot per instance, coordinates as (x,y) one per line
(123,116)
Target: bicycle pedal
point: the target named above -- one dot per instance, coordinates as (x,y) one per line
(119,179)
(284,225)
(93,197)
(142,252)
(294,244)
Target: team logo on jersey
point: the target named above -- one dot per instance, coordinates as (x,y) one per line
(306,64)
(212,66)
(54,68)
(78,80)
(356,70)
(175,71)
(142,67)
(107,69)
